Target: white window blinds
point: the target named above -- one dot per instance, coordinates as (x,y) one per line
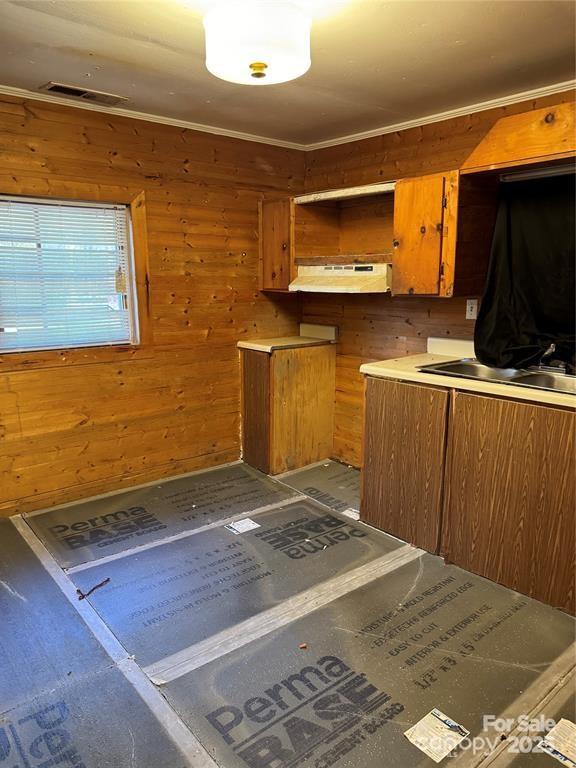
(65,275)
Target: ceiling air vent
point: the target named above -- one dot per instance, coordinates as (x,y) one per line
(74,91)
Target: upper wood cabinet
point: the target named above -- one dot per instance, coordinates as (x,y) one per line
(420,216)
(338,227)
(443,226)
(541,135)
(276,244)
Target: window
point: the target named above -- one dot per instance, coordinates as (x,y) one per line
(66,275)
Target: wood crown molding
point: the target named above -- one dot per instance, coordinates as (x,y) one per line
(503,101)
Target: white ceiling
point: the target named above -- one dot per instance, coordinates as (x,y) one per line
(375,63)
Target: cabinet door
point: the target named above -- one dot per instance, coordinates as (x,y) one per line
(511,498)
(404,450)
(302,406)
(256,408)
(276,244)
(535,136)
(423,209)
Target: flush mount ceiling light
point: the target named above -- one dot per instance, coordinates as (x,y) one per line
(257,42)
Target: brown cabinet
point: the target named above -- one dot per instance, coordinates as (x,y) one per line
(276,243)
(511,502)
(420,217)
(404,453)
(492,480)
(288,406)
(443,225)
(296,232)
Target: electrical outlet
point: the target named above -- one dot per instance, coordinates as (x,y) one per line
(471,309)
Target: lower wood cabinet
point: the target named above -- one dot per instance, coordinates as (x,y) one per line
(404,453)
(288,407)
(488,482)
(510,500)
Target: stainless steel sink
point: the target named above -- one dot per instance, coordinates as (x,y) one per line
(471,369)
(555,381)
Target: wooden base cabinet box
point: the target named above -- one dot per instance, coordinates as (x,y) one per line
(287,406)
(488,482)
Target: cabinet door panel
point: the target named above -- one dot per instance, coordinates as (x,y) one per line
(276,242)
(418,221)
(404,450)
(302,405)
(510,507)
(256,409)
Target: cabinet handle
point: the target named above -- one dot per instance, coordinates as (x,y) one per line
(550,117)
(395,243)
(438,227)
(284,246)
(422,230)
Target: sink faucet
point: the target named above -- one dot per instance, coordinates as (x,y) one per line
(546,362)
(549,352)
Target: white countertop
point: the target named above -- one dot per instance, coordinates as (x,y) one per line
(283,342)
(406,369)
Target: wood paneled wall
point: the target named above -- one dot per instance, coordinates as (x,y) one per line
(378,327)
(77,424)
(74,424)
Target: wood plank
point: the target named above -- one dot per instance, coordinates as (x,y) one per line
(423,150)
(317,230)
(302,401)
(528,136)
(367,225)
(509,514)
(402,477)
(256,408)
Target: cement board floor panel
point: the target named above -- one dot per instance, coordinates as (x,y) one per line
(331,483)
(97,722)
(162,600)
(43,640)
(88,531)
(521,752)
(375,662)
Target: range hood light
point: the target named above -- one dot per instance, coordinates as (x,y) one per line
(257,42)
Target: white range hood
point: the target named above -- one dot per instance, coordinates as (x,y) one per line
(343,278)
